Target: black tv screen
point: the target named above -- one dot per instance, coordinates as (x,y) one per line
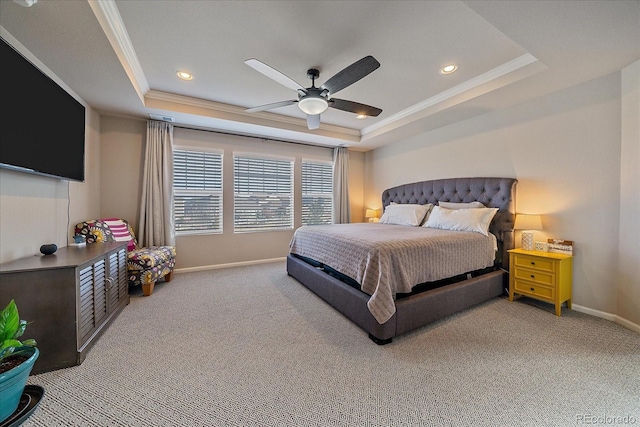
(42,126)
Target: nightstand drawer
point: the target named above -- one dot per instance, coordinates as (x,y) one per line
(534,276)
(534,289)
(535,262)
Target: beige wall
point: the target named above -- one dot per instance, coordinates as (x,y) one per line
(122,148)
(35,210)
(629,249)
(121,159)
(563,148)
(85,197)
(356,186)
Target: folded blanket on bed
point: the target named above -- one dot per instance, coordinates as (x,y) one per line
(387,259)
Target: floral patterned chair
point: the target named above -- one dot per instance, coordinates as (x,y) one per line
(145,266)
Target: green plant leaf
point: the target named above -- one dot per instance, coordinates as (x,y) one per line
(21,328)
(23,351)
(29,343)
(11,328)
(10,343)
(6,352)
(9,321)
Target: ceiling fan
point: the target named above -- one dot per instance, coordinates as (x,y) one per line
(313,100)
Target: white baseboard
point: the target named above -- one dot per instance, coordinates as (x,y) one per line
(608,316)
(233,264)
(628,324)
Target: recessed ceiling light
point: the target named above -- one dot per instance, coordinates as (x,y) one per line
(184,75)
(361,116)
(26,3)
(448,69)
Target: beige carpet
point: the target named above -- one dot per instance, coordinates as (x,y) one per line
(250,346)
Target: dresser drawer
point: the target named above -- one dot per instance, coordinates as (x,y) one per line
(534,262)
(537,276)
(533,289)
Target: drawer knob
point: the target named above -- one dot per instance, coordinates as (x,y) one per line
(533,263)
(532,289)
(533,277)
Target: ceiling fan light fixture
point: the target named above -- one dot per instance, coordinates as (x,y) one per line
(313,105)
(313,101)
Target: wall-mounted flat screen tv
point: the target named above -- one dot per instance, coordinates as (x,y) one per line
(42,126)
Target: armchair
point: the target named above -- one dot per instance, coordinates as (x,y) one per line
(145,266)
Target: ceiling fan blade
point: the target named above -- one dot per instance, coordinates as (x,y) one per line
(351,74)
(273,74)
(270,106)
(313,121)
(354,107)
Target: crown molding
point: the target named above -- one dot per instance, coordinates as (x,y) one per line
(110,20)
(112,25)
(447,96)
(170,101)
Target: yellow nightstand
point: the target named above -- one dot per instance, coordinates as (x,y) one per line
(545,276)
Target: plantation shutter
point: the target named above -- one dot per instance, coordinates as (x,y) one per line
(263,193)
(197,187)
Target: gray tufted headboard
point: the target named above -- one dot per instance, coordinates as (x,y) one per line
(492,192)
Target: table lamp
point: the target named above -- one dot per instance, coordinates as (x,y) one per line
(528,223)
(371,214)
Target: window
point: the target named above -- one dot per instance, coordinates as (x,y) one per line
(317,193)
(197,191)
(263,193)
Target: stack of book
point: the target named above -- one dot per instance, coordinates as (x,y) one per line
(560,246)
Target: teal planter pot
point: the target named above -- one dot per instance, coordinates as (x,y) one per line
(12,384)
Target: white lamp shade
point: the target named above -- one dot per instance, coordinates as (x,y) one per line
(313,106)
(528,222)
(372,214)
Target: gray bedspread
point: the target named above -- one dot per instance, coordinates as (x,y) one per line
(387,259)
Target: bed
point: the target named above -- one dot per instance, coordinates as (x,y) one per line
(388,292)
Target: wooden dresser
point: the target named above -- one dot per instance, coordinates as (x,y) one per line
(69,298)
(542,275)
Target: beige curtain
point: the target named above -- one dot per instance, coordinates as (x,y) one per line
(341,209)
(156,207)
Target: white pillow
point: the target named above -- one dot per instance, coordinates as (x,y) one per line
(405,214)
(470,219)
(452,205)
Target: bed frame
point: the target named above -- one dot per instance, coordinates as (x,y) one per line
(425,307)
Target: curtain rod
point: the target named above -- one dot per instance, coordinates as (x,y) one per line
(262,138)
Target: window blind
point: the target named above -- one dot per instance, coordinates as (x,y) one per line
(317,193)
(197,191)
(263,194)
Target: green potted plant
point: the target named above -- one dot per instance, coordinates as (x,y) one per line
(16,359)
